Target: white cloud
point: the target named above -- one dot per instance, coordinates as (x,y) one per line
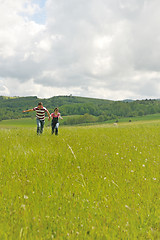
(106,49)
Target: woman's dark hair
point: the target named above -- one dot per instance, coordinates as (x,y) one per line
(40,103)
(56,109)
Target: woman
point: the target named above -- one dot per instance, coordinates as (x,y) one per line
(55,124)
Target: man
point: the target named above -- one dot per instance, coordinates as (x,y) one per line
(40,115)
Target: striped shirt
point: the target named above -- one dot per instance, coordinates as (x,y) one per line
(40,113)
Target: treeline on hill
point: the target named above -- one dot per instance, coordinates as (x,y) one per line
(87,109)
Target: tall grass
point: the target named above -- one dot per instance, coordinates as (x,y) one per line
(97,182)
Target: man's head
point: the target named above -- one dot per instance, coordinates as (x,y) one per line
(40,105)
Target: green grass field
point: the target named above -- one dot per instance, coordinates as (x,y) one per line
(95,182)
(18,123)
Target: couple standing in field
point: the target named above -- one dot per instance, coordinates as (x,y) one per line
(40,117)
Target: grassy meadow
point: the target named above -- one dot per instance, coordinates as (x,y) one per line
(89,182)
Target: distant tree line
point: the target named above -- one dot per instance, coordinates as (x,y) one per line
(89,109)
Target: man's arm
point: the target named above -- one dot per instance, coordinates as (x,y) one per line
(29,110)
(49,116)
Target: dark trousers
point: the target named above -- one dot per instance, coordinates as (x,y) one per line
(55,127)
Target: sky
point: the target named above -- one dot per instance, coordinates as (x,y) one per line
(108,49)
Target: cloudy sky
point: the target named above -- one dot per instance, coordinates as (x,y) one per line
(94,48)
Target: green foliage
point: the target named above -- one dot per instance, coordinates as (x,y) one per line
(86,183)
(104,110)
(86,118)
